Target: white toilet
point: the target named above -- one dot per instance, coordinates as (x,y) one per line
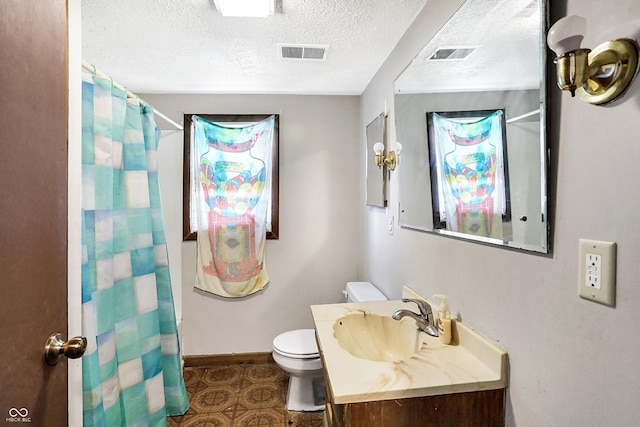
(296,352)
(363,291)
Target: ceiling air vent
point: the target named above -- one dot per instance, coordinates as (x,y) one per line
(451,53)
(300,51)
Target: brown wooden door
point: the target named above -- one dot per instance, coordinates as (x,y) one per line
(33,209)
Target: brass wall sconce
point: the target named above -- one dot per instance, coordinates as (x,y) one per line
(389,161)
(599,76)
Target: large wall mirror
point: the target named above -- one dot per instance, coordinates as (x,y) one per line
(470,115)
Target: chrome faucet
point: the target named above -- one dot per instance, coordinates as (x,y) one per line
(424,319)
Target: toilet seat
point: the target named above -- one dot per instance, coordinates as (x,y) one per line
(297,344)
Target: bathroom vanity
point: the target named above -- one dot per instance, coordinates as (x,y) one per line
(384,372)
(478,409)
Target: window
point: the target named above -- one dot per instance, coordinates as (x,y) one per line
(237,119)
(469,174)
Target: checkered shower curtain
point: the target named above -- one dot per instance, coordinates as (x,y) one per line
(131,371)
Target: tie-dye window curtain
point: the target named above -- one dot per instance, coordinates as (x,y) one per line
(230,189)
(471,173)
(132,373)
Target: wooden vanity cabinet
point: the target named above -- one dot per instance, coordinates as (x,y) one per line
(472,409)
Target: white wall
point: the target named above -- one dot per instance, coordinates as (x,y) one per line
(572,362)
(317,252)
(169,155)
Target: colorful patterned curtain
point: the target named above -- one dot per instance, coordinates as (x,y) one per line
(471,168)
(230,203)
(132,374)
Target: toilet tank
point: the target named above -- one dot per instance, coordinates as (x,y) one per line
(363,291)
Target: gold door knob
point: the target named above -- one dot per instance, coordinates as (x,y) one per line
(56,347)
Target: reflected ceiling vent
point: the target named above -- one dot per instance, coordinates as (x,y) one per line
(302,51)
(452,53)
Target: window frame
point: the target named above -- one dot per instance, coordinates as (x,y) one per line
(273,234)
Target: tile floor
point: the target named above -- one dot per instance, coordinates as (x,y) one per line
(240,395)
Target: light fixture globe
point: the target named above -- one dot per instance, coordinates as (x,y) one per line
(566,34)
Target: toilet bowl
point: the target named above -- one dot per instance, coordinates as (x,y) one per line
(296,353)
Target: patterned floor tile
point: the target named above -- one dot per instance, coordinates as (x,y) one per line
(240,395)
(265,373)
(262,396)
(214,399)
(268,417)
(228,374)
(206,420)
(304,419)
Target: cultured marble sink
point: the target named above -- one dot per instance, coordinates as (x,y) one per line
(377,337)
(368,356)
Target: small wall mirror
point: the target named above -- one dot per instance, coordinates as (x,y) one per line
(470,115)
(376,132)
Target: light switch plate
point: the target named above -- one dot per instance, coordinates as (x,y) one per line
(597,267)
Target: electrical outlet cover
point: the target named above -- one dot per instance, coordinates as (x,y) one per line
(597,268)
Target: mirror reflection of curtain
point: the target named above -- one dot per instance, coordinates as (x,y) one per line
(470,163)
(231,195)
(131,372)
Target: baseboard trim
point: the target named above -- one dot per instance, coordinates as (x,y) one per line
(226,359)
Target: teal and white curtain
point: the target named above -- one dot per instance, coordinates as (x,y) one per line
(131,371)
(471,173)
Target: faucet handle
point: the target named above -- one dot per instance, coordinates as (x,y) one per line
(425,309)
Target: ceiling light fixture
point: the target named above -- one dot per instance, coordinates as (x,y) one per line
(245,8)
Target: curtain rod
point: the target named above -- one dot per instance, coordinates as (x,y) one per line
(523,116)
(130,94)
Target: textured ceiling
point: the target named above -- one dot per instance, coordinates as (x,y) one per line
(506,37)
(186,46)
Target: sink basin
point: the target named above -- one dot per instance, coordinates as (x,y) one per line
(376,337)
(368,357)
